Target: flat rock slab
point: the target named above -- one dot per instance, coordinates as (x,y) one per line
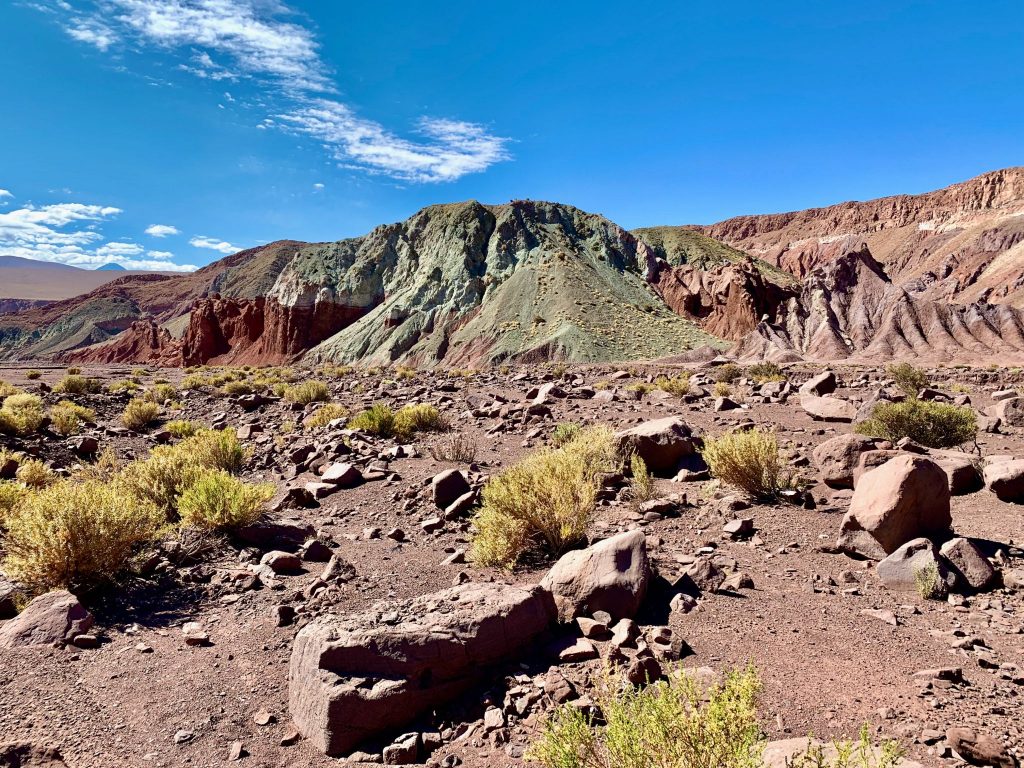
(354,677)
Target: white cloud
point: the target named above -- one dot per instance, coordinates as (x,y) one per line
(161,230)
(201,241)
(160,255)
(232,39)
(68,233)
(318,186)
(6,193)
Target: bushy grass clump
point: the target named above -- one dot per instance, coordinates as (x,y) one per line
(125,385)
(33,473)
(161,394)
(377,420)
(21,414)
(641,481)
(216,500)
(422,417)
(565,432)
(67,418)
(907,377)
(181,428)
(728,373)
(936,425)
(545,502)
(765,372)
(675,385)
(456,447)
(139,414)
(33,374)
(751,461)
(76,384)
(74,534)
(307,392)
(325,414)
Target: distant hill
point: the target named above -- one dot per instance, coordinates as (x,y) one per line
(111,267)
(32,281)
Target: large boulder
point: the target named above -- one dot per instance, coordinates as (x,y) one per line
(1010,411)
(28,754)
(356,677)
(836,458)
(448,486)
(901,570)
(662,443)
(872,460)
(828,408)
(905,498)
(979,748)
(610,576)
(961,471)
(968,561)
(54,618)
(822,384)
(1006,480)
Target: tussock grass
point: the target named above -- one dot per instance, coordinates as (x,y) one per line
(67,418)
(456,447)
(750,461)
(216,500)
(544,502)
(325,414)
(161,394)
(182,427)
(422,417)
(33,374)
(907,378)
(307,392)
(765,372)
(676,385)
(728,373)
(377,420)
(75,384)
(33,473)
(565,432)
(936,425)
(641,482)
(21,414)
(139,414)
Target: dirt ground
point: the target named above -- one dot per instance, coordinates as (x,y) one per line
(826,666)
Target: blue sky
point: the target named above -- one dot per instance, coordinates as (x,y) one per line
(222,124)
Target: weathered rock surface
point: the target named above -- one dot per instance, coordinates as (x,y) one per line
(828,408)
(661,443)
(836,459)
(1006,480)
(902,569)
(52,618)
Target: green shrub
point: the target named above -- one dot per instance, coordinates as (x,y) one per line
(545,501)
(749,460)
(126,385)
(307,392)
(728,373)
(325,414)
(849,754)
(216,500)
(377,420)
(215,449)
(676,385)
(641,482)
(669,724)
(721,389)
(195,381)
(74,384)
(33,374)
(139,414)
(929,582)
(182,428)
(158,479)
(76,534)
(12,494)
(565,432)
(161,394)
(765,372)
(411,419)
(237,388)
(33,473)
(21,414)
(640,387)
(936,425)
(66,417)
(908,378)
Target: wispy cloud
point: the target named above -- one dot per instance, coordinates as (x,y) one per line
(212,243)
(6,193)
(264,40)
(161,230)
(69,233)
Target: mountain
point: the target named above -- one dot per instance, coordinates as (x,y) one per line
(111,267)
(29,282)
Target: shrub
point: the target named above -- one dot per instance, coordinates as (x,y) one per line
(908,378)
(138,373)
(236,388)
(565,432)
(216,500)
(74,534)
(456,448)
(849,754)
(33,473)
(728,373)
(307,392)
(33,374)
(194,381)
(929,583)
(641,484)
(73,370)
(126,385)
(545,501)
(74,384)
(640,387)
(668,723)
(214,449)
(182,428)
(325,414)
(376,420)
(411,419)
(67,417)
(7,389)
(161,393)
(21,414)
(139,414)
(159,479)
(405,372)
(936,425)
(11,495)
(721,389)
(764,372)
(750,461)
(676,385)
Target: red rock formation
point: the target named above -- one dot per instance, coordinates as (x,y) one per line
(142,342)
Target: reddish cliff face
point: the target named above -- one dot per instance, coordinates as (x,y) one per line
(142,342)
(955,242)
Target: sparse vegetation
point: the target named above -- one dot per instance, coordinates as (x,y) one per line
(215,449)
(307,392)
(75,384)
(325,414)
(928,582)
(721,389)
(544,502)
(182,428)
(236,388)
(67,418)
(75,533)
(11,495)
(161,394)
(641,482)
(908,378)
(216,500)
(21,414)
(673,724)
(676,385)
(929,423)
(765,372)
(7,389)
(422,417)
(749,460)
(565,432)
(728,373)
(377,420)
(33,473)
(456,447)
(849,754)
(33,374)
(139,414)
(125,385)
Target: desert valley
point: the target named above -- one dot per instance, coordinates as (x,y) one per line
(510,485)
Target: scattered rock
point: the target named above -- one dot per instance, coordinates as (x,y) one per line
(53,618)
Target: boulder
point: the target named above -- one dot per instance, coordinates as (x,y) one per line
(355,677)
(828,408)
(872,460)
(1006,480)
(282,533)
(968,561)
(1010,411)
(28,754)
(822,384)
(979,748)
(961,471)
(662,443)
(836,458)
(905,498)
(448,486)
(342,474)
(899,571)
(611,576)
(54,618)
